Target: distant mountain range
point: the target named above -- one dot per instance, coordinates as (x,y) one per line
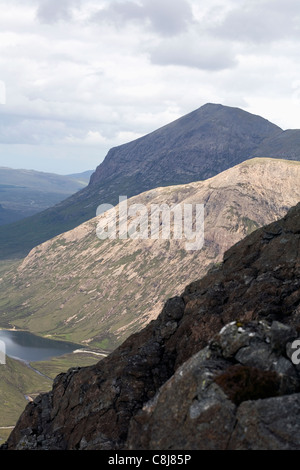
(27,192)
(78,288)
(195,147)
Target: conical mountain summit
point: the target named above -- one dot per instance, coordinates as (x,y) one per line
(195,147)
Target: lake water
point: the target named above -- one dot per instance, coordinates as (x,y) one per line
(28,347)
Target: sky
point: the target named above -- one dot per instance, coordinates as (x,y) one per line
(78,77)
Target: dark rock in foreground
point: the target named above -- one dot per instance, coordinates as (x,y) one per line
(212,372)
(240,392)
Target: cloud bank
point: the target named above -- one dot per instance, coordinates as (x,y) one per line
(83,76)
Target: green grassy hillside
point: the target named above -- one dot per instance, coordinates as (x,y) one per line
(16,381)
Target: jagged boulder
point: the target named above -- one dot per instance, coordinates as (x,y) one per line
(97,407)
(240,392)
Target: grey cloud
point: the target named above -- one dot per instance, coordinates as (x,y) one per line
(120,13)
(27,130)
(206,54)
(166,17)
(52,11)
(261,21)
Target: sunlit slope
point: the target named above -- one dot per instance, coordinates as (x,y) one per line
(77,287)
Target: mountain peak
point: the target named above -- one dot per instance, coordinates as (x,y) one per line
(224,110)
(195,147)
(213,106)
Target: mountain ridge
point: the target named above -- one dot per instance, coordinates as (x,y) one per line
(194,147)
(203,121)
(99,292)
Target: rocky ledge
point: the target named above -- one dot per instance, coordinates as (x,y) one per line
(213,371)
(240,392)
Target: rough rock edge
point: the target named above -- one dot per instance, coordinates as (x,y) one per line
(203,405)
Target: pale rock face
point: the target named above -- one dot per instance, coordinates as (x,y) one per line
(99,292)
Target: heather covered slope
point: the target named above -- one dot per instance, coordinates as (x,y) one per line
(195,147)
(256,291)
(78,288)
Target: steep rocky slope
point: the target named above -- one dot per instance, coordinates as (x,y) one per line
(79,288)
(251,303)
(195,147)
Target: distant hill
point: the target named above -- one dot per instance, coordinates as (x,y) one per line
(78,288)
(83,177)
(27,192)
(195,147)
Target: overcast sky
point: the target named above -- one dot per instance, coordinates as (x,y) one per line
(78,77)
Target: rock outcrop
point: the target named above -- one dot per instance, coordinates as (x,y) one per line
(240,392)
(213,371)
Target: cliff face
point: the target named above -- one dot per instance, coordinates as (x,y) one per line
(232,327)
(77,287)
(197,146)
(240,392)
